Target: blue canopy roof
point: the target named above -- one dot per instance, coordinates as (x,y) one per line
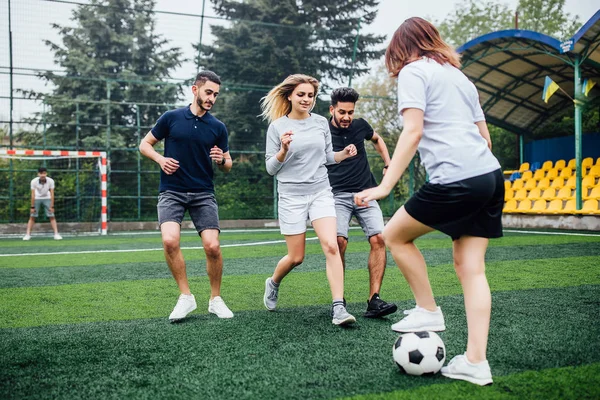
(509,67)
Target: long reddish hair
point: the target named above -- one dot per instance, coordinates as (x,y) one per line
(414,39)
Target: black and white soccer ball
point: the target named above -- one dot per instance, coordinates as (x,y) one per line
(419,353)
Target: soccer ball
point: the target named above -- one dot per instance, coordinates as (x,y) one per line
(419,353)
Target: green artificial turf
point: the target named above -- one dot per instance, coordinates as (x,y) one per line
(95,325)
(238,264)
(297,353)
(134,299)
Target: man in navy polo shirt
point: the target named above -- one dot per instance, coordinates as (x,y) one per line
(194,140)
(352,176)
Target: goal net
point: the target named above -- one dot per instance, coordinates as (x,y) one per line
(80,194)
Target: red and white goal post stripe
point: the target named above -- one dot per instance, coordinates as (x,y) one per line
(74,153)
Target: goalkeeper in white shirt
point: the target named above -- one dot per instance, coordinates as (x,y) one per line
(42,194)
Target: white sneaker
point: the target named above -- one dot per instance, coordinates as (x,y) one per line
(271,295)
(27,237)
(57,237)
(185,305)
(340,316)
(218,307)
(461,368)
(419,319)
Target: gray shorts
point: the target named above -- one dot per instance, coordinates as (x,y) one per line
(38,203)
(201,206)
(369,218)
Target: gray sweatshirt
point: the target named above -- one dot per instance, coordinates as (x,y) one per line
(303,171)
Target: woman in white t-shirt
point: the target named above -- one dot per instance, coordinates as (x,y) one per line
(464,197)
(297,149)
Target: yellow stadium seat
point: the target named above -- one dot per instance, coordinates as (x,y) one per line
(530,184)
(524,206)
(594,194)
(507,185)
(535,194)
(517,184)
(566,172)
(553,173)
(558,183)
(508,194)
(589,207)
(510,206)
(588,182)
(549,194)
(571,163)
(539,207)
(587,162)
(571,182)
(524,167)
(569,208)
(520,194)
(546,166)
(564,193)
(594,171)
(539,174)
(597,161)
(527,175)
(555,207)
(560,164)
(544,184)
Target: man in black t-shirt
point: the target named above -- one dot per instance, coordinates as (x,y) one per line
(352,176)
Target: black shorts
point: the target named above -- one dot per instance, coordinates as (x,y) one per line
(471,207)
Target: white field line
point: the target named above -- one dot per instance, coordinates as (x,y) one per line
(553,233)
(254,243)
(140,250)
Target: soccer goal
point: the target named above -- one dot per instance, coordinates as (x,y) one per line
(81,186)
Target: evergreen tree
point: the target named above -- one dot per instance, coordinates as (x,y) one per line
(111,47)
(271,39)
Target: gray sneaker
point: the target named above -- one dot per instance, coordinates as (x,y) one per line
(460,368)
(340,316)
(271,295)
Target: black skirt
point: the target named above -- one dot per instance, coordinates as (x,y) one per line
(471,207)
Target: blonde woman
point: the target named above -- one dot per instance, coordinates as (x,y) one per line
(298,148)
(465,194)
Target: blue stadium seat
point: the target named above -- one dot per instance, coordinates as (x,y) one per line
(514,176)
(535,166)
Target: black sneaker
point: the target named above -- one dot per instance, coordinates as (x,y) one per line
(377,308)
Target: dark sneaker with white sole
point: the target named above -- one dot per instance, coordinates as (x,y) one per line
(377,308)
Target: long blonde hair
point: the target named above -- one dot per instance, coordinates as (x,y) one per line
(414,39)
(276,104)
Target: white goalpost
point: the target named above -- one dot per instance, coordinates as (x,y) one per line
(56,154)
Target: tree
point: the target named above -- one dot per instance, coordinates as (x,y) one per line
(474,18)
(110,60)
(112,53)
(271,39)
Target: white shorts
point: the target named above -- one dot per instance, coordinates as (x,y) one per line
(295,210)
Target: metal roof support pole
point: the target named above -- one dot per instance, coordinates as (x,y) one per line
(521,148)
(578,139)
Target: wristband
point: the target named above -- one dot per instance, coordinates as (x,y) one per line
(223,162)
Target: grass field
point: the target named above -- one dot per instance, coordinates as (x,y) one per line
(86,317)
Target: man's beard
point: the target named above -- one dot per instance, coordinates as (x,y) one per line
(339,124)
(42,180)
(200,104)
